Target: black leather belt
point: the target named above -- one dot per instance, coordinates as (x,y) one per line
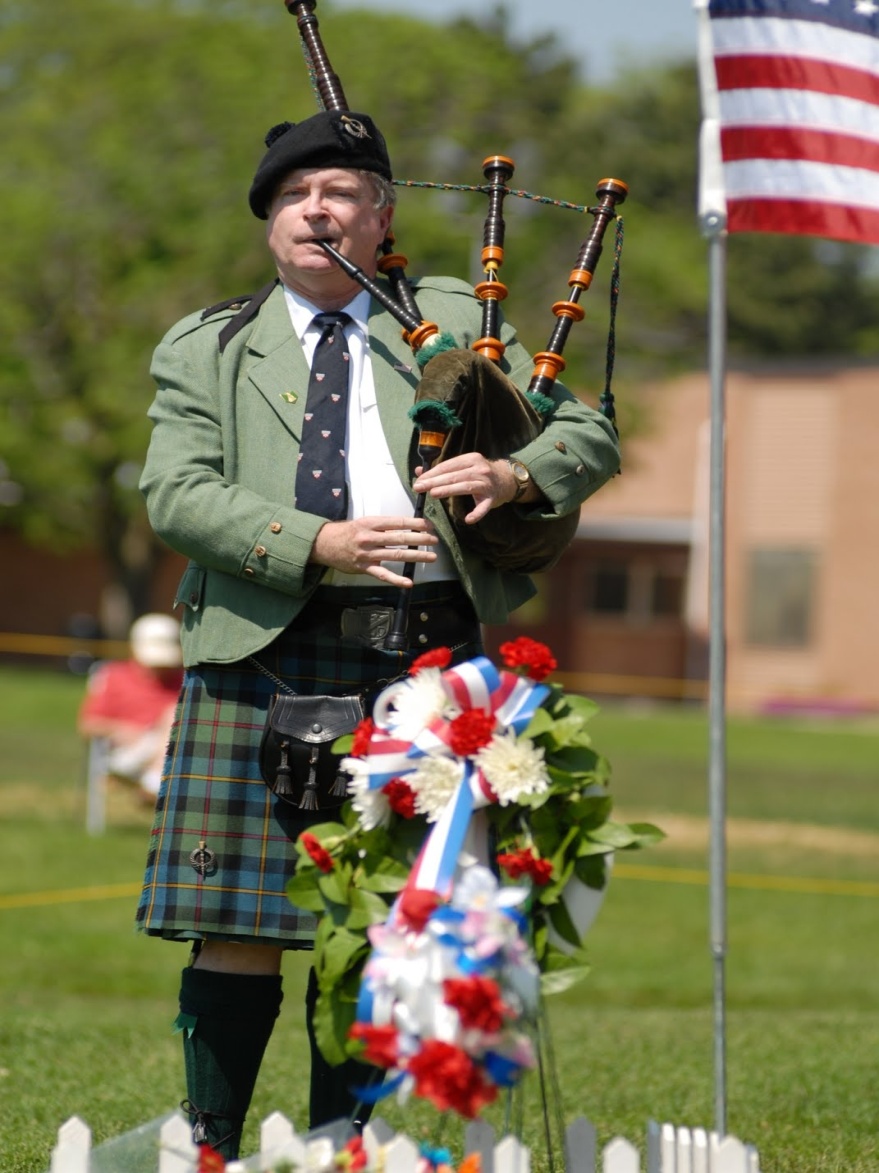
(431,624)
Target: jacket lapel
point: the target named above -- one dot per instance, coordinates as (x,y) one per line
(277,369)
(277,366)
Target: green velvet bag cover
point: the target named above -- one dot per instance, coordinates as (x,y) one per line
(496,419)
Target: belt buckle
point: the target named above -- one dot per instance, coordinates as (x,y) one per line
(367,624)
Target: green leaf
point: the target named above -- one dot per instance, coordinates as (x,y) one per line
(647,834)
(365,909)
(335,886)
(581,706)
(557,981)
(579,760)
(332,1020)
(562,923)
(382,881)
(591,870)
(340,950)
(304,892)
(613,835)
(542,722)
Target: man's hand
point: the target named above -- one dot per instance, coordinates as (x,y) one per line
(489,482)
(362,545)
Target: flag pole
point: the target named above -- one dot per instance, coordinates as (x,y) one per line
(714,229)
(712,221)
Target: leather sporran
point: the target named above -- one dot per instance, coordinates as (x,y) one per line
(295,755)
(496,420)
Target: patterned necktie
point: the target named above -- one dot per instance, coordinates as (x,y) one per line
(320,474)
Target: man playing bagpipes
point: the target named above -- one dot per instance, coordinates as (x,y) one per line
(299,547)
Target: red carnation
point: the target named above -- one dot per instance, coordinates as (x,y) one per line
(355,1154)
(417,906)
(470,731)
(478,1002)
(449,1078)
(380,1043)
(524,652)
(435,658)
(526,863)
(401,797)
(362,737)
(319,854)
(209,1160)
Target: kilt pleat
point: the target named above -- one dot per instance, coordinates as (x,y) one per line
(221,847)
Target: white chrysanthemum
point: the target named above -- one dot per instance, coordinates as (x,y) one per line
(373,808)
(512,767)
(417,701)
(434,783)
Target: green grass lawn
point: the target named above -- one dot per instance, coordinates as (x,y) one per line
(86,1003)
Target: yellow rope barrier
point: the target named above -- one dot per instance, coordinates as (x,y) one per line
(585,682)
(68,896)
(662,875)
(802,884)
(61,645)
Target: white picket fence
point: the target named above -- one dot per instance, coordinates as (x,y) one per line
(669,1150)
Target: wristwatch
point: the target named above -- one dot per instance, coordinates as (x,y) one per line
(522,475)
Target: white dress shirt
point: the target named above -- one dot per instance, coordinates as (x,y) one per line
(374,488)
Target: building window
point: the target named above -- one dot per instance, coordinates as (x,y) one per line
(667,592)
(780,597)
(639,591)
(610,590)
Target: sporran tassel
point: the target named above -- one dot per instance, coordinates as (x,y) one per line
(309,797)
(340,786)
(284,775)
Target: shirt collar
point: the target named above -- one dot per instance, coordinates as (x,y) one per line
(302,312)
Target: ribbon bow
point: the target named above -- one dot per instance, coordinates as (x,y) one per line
(396,750)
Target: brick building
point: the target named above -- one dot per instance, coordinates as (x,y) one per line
(802,547)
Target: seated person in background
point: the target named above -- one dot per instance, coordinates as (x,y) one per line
(131,703)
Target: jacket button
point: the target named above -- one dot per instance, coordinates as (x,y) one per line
(422,639)
(423,617)
(249,572)
(580,469)
(561,446)
(260,551)
(275,527)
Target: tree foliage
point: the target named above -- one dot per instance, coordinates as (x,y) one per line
(131,129)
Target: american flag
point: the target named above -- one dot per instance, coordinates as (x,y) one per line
(792,101)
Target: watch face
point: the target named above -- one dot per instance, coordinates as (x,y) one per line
(520,472)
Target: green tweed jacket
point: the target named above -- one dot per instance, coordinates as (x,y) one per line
(219,473)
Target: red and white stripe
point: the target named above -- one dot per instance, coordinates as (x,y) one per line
(796,108)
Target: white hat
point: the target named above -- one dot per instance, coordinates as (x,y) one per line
(155,641)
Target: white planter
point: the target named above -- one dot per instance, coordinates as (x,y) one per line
(583,905)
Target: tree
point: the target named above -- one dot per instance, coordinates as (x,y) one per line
(131,129)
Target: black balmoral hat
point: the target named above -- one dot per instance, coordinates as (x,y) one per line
(333,138)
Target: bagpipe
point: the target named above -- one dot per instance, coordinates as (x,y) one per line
(465,402)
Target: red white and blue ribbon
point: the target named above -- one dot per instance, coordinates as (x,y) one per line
(476,684)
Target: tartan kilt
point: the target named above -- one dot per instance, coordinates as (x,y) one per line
(213,797)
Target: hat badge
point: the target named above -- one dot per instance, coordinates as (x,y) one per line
(354,127)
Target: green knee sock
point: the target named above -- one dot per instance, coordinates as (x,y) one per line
(226,1020)
(330,1095)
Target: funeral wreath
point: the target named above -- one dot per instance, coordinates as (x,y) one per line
(457,885)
